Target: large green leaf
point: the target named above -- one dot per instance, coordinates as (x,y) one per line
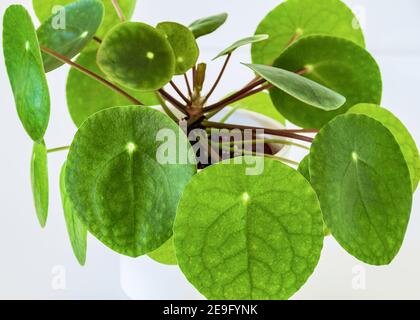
(45,8)
(299,87)
(165,254)
(336,63)
(39,180)
(260,103)
(26,73)
(75,228)
(137,56)
(183,43)
(241,43)
(85,95)
(364,186)
(241,236)
(401,134)
(69,36)
(119,189)
(204,26)
(294,19)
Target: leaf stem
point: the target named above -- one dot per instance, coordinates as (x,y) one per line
(97,39)
(219,77)
(276,141)
(91,74)
(173,101)
(187,83)
(183,97)
(248,152)
(118,10)
(58,149)
(166,108)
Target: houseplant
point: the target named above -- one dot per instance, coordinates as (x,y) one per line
(238,233)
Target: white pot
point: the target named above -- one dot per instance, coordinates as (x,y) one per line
(143,278)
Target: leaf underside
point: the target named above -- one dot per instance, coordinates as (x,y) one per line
(39,180)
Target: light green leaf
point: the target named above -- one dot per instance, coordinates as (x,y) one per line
(364,187)
(165,254)
(260,103)
(336,63)
(241,43)
(26,74)
(39,180)
(299,87)
(70,31)
(45,8)
(76,229)
(137,56)
(85,95)
(401,134)
(207,25)
(123,193)
(241,236)
(183,43)
(294,19)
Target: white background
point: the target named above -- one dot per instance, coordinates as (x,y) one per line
(31,257)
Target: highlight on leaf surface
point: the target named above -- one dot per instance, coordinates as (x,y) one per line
(69,36)
(204,26)
(364,186)
(400,132)
(39,181)
(23,61)
(241,43)
(137,56)
(295,19)
(338,64)
(119,188)
(76,230)
(86,96)
(299,87)
(239,247)
(183,44)
(165,254)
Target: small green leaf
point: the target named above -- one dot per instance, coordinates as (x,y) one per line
(39,179)
(165,254)
(70,33)
(338,64)
(364,186)
(207,25)
(299,87)
(260,103)
(294,19)
(46,8)
(183,43)
(137,56)
(75,228)
(400,132)
(253,236)
(241,43)
(86,96)
(26,74)
(123,193)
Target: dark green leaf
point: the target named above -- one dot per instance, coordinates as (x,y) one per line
(39,179)
(207,25)
(241,43)
(26,74)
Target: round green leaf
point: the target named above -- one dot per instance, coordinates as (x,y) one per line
(183,43)
(301,88)
(401,134)
(26,74)
(241,43)
(165,254)
(294,19)
(70,31)
(204,26)
(336,63)
(137,56)
(120,191)
(85,95)
(260,103)
(45,8)
(39,179)
(364,187)
(241,236)
(76,230)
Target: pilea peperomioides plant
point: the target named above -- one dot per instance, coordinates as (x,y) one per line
(150,170)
